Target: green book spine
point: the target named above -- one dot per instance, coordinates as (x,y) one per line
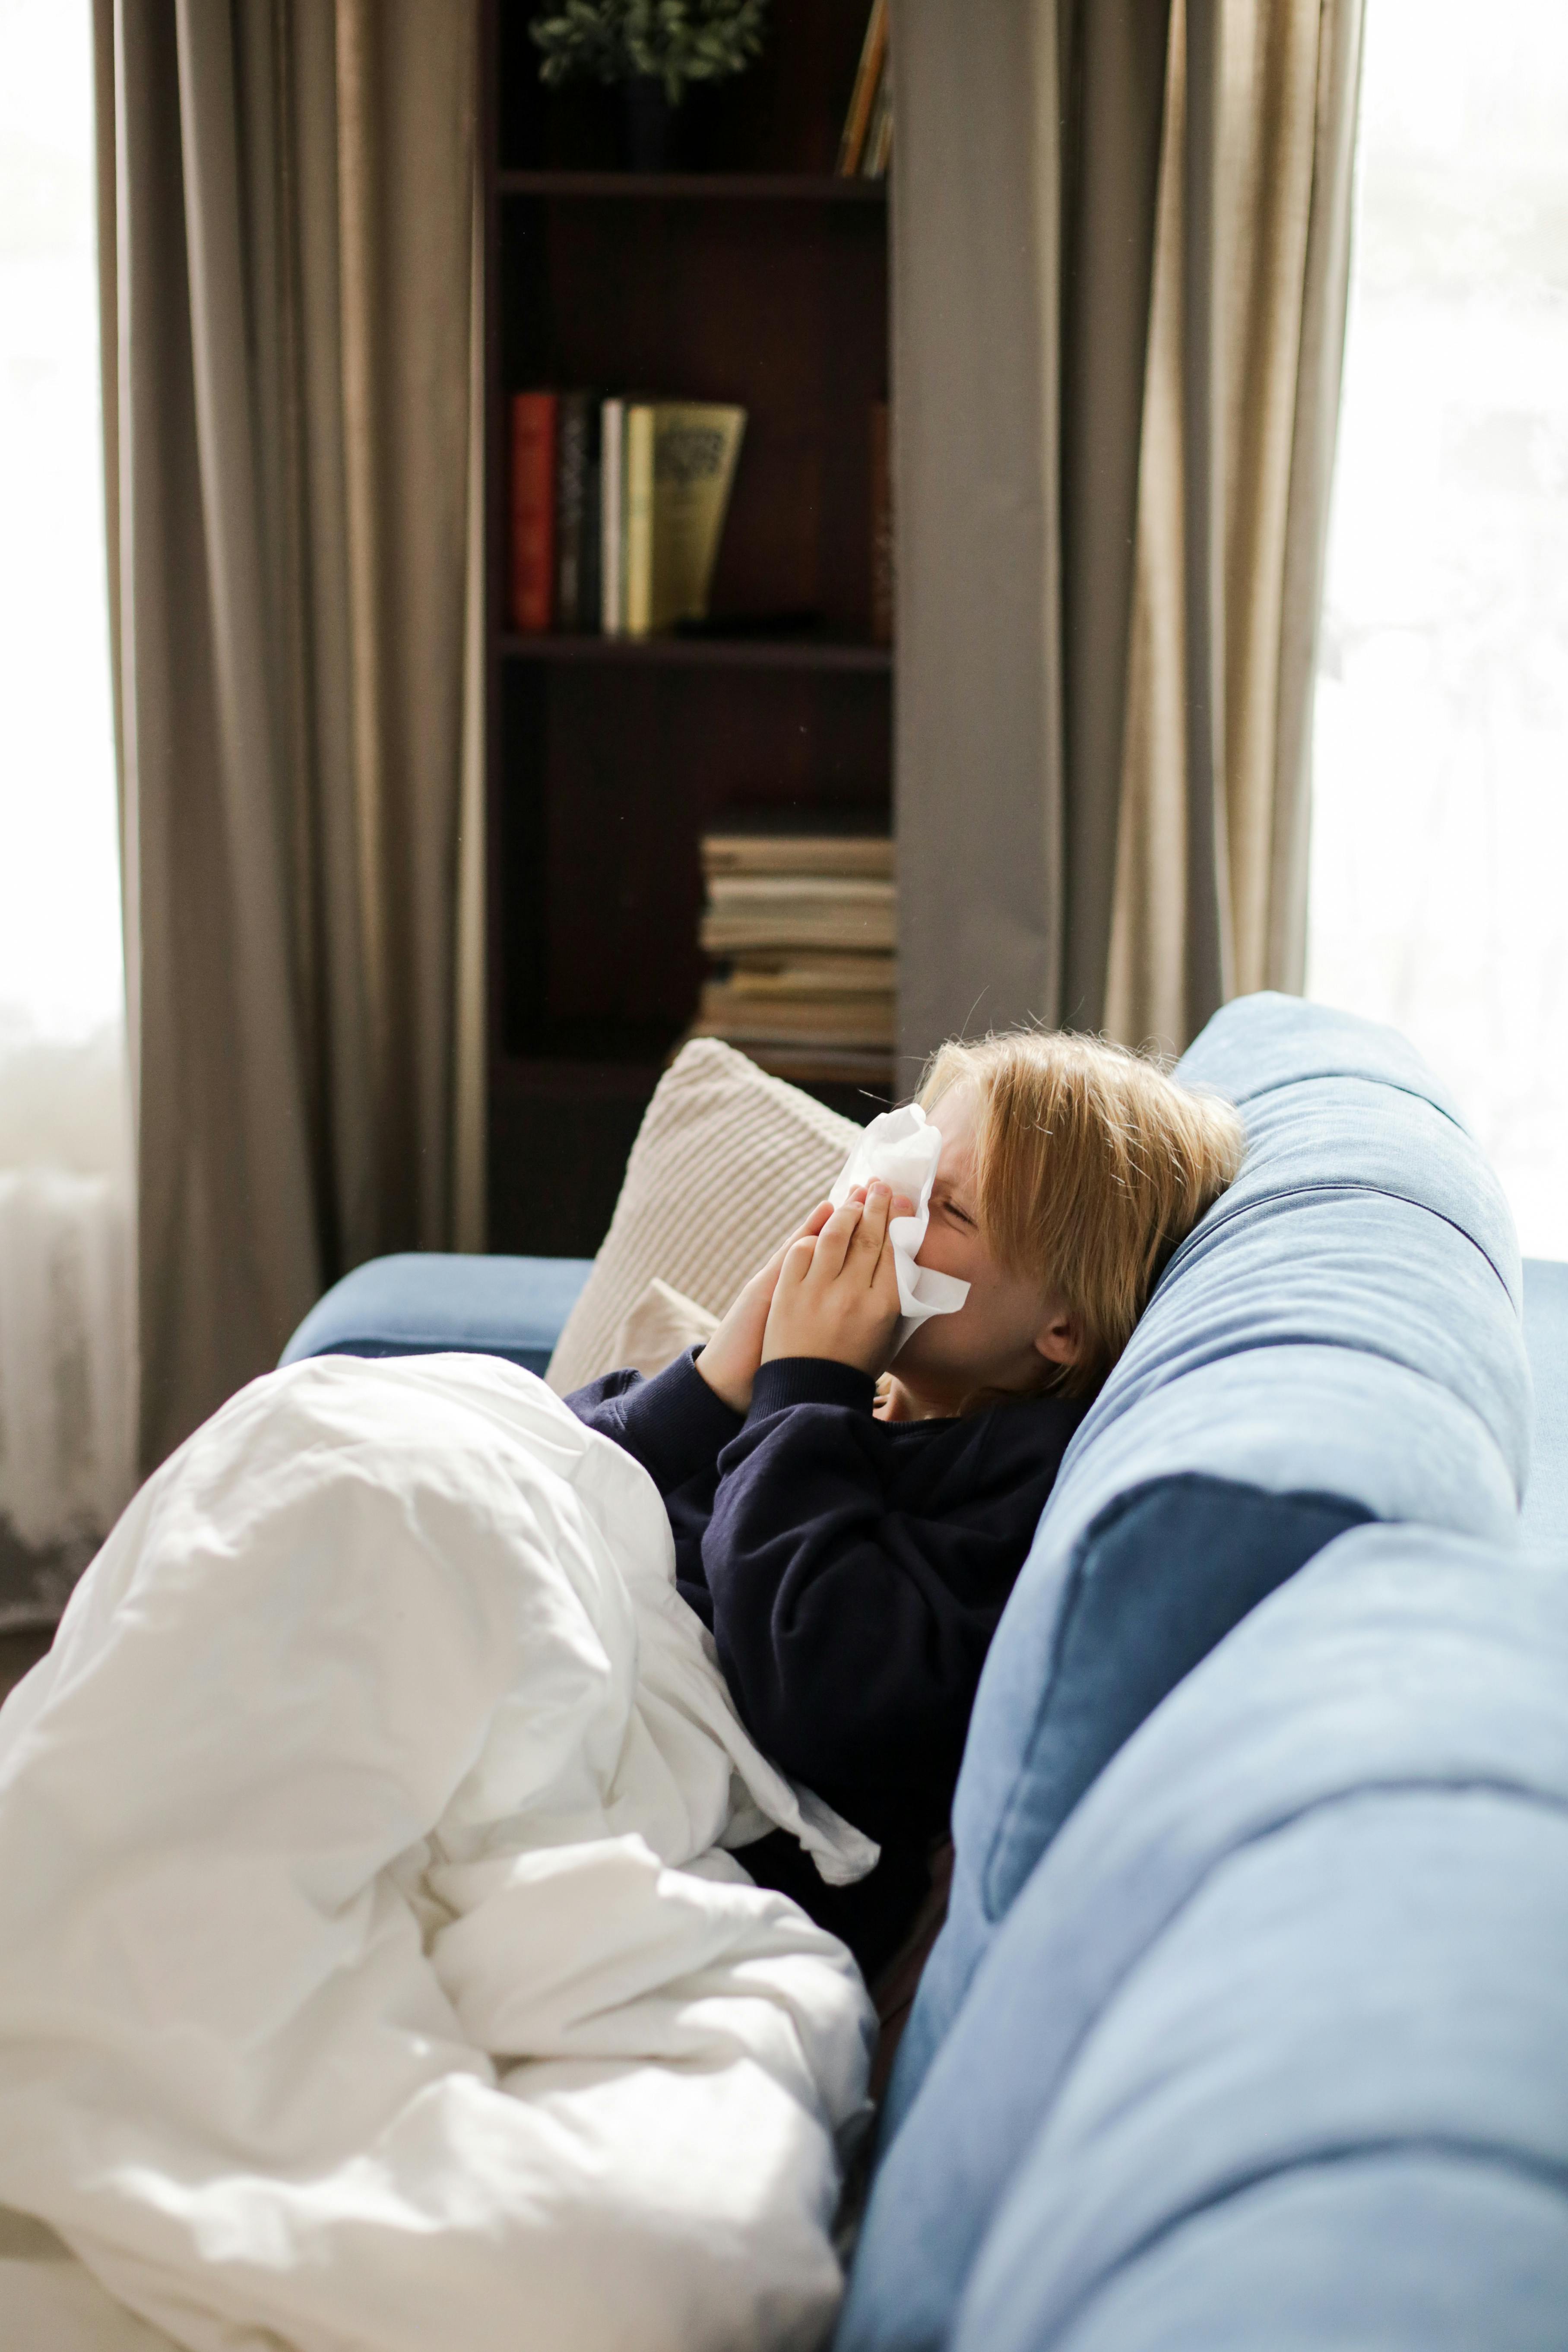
(612,519)
(640,520)
(695,447)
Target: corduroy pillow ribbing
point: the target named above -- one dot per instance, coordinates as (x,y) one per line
(726,1161)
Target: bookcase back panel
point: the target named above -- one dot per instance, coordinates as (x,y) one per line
(782,309)
(557,1154)
(613,777)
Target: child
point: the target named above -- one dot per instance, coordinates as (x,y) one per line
(851,1546)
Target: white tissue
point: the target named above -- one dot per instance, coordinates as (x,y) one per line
(901,1148)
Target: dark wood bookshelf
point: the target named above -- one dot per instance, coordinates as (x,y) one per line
(751,274)
(680,187)
(722,653)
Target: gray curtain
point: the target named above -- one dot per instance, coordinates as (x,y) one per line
(1120,257)
(288,240)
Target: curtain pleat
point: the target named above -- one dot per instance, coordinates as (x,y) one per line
(1245,346)
(293,313)
(1120,256)
(1110,166)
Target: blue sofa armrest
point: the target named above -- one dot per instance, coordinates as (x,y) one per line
(430,1303)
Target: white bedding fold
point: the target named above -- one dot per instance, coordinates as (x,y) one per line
(372,1967)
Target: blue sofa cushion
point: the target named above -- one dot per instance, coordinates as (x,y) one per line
(1345,1323)
(428,1302)
(1396,2252)
(1545,1517)
(1156,1578)
(1311,1917)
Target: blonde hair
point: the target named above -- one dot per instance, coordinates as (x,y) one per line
(1092,1165)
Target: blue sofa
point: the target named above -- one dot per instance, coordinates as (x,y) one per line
(1248,2025)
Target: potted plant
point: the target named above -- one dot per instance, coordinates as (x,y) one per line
(655,50)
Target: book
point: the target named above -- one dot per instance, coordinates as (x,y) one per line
(612,518)
(863,1021)
(863,97)
(681,459)
(881,526)
(764,891)
(533,425)
(576,512)
(725,932)
(812,853)
(636,495)
(763,976)
(593,533)
(880,135)
(812,885)
(802,907)
(745,914)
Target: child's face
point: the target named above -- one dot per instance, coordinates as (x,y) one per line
(1009,1321)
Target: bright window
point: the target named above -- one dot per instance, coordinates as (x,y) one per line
(1440,802)
(67,1381)
(60,886)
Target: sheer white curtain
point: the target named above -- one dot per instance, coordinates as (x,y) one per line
(1439,893)
(67,1402)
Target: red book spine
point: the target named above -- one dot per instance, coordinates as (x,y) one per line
(532,511)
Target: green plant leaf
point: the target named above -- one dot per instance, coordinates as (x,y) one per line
(674,41)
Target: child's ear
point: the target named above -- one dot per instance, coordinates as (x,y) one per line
(1059,1340)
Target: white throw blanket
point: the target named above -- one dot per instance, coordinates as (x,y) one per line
(372,1967)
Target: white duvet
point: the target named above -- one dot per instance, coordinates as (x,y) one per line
(373,1975)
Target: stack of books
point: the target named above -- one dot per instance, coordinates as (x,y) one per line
(618,509)
(806,924)
(866,145)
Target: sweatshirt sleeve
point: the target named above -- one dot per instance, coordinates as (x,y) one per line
(673,1424)
(852,1629)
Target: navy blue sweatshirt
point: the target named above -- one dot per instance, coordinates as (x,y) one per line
(852,1572)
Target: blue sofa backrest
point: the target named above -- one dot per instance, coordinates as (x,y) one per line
(1339,1341)
(1341,1335)
(1273,2047)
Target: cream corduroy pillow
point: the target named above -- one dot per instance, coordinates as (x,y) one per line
(660,1327)
(726,1161)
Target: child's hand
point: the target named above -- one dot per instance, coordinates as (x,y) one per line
(838,1295)
(728,1359)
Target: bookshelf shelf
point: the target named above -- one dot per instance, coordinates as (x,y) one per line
(712,187)
(752,275)
(804,653)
